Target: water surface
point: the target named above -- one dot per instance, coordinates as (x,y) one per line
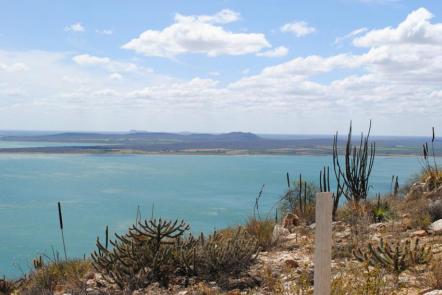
(95,191)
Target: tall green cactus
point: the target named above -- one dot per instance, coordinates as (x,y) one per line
(358,164)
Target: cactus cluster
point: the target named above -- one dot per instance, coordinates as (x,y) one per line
(395,257)
(155,250)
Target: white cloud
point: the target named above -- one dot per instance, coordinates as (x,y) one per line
(115,76)
(86,59)
(104,32)
(222,17)
(395,75)
(415,29)
(76,27)
(298,28)
(277,52)
(350,35)
(107,63)
(198,34)
(14,68)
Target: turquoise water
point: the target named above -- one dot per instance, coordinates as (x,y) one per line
(95,191)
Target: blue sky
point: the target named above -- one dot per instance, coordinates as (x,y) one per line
(217,66)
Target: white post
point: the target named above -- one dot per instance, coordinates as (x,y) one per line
(323,243)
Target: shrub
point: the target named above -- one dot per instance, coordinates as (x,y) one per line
(300,199)
(47,278)
(432,179)
(262,230)
(381,209)
(218,254)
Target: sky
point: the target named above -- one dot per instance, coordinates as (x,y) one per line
(270,66)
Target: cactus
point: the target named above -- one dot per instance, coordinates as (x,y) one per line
(358,166)
(38,262)
(324,186)
(394,257)
(153,250)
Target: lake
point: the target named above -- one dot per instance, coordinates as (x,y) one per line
(207,191)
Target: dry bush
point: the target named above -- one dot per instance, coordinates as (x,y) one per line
(356,279)
(359,217)
(271,282)
(300,200)
(55,275)
(218,255)
(432,178)
(262,230)
(418,211)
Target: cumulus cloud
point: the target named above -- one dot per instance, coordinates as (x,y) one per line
(76,27)
(198,34)
(395,74)
(298,28)
(277,52)
(415,29)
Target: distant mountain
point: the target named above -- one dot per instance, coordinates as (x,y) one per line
(135,137)
(233,142)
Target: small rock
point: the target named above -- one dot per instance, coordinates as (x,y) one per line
(290,220)
(418,233)
(279,232)
(434,292)
(436,227)
(182,292)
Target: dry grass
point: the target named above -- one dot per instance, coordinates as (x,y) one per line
(356,279)
(262,230)
(66,275)
(432,178)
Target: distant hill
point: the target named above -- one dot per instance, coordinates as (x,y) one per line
(206,143)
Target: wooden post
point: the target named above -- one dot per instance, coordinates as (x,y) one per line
(323,244)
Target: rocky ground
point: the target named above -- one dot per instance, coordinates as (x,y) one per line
(288,267)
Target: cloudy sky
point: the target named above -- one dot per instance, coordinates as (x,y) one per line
(266,66)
